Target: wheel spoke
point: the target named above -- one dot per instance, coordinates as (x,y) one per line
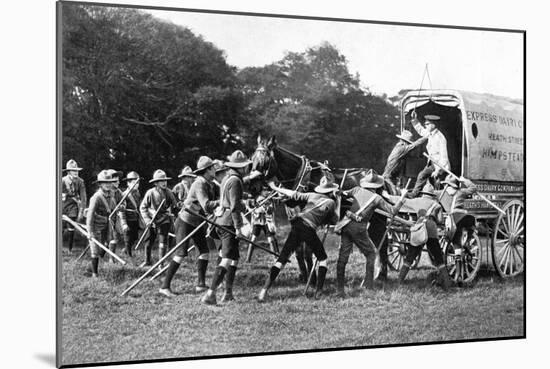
(516,251)
(504,257)
(520,230)
(505,234)
(512,260)
(453,269)
(509,219)
(519,221)
(502,249)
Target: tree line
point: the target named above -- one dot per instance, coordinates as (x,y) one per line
(140,93)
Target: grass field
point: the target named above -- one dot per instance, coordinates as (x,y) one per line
(99,325)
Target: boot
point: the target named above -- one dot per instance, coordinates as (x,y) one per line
(403,273)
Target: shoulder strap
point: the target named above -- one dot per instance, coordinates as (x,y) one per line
(105,203)
(369,201)
(316,206)
(222,192)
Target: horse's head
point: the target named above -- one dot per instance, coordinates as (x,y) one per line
(264,162)
(263,159)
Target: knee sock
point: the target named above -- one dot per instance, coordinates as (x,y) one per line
(273,273)
(217,278)
(95,262)
(230,277)
(202,265)
(172,269)
(322,272)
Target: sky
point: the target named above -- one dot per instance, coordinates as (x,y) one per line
(387,58)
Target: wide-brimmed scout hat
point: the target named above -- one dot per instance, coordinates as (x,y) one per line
(326,186)
(159,175)
(371,180)
(203,164)
(405,136)
(187,172)
(237,160)
(428,190)
(115,173)
(131,176)
(105,177)
(72,165)
(430,118)
(451,181)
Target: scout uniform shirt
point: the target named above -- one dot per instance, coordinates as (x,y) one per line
(361,196)
(319,209)
(394,162)
(101,206)
(151,202)
(73,195)
(231,200)
(199,200)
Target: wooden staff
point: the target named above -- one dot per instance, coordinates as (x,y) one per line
(161,260)
(123,199)
(231,232)
(86,234)
(458,179)
(146,230)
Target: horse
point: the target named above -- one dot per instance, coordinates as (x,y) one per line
(296,172)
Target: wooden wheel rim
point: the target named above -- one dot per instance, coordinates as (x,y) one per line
(509,240)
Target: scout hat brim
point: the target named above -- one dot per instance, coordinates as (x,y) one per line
(238,165)
(159,179)
(198,170)
(323,189)
(404,139)
(367,184)
(188,174)
(68,169)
